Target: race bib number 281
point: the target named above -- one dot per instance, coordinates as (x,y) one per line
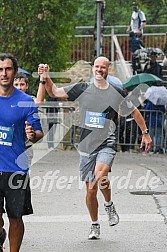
(95,119)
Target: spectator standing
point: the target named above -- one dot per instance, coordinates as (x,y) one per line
(138,20)
(16,123)
(154,117)
(153,67)
(135,43)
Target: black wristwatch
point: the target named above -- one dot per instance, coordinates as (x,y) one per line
(42,82)
(146,131)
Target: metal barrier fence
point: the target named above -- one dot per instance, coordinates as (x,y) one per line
(61,126)
(57,123)
(129,134)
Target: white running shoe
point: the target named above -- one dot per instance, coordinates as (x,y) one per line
(113,217)
(94,232)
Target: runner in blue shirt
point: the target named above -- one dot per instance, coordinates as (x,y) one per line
(18,120)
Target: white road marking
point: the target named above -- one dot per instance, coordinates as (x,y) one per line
(85,218)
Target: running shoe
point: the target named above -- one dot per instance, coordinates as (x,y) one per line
(113,218)
(94,232)
(2,239)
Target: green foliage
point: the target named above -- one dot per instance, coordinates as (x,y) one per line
(41,31)
(119,12)
(86,14)
(37,31)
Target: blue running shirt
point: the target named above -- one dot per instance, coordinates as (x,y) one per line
(14,111)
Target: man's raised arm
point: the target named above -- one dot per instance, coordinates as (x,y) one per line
(51,87)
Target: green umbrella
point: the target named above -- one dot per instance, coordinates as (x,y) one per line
(137,79)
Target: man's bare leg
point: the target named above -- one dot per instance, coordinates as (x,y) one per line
(16,232)
(92,205)
(91,200)
(101,174)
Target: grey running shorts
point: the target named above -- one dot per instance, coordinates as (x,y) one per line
(88,162)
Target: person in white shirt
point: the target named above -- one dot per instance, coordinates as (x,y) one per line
(138,20)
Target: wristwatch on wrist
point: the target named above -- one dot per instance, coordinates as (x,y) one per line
(42,82)
(146,131)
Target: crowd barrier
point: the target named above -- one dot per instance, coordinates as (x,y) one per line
(65,127)
(129,134)
(57,123)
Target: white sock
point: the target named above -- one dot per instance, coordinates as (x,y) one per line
(95,222)
(108,203)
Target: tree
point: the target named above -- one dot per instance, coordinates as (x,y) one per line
(37,31)
(119,12)
(86,12)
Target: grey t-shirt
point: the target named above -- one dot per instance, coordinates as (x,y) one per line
(98,114)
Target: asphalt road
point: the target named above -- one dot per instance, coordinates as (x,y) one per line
(61,222)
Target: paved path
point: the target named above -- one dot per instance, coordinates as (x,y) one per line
(61,223)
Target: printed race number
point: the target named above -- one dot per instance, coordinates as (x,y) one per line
(3,135)
(6,135)
(95,119)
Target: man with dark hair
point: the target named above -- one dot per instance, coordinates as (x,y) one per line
(138,20)
(18,119)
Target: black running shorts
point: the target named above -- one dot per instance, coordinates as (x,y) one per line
(15,194)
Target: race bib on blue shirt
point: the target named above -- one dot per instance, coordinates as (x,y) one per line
(6,135)
(95,119)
